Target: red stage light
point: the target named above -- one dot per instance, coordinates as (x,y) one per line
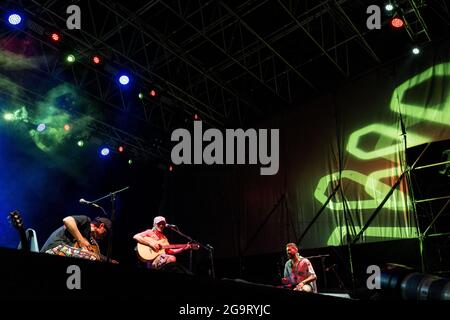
(195,116)
(397,22)
(170,168)
(120,149)
(96,59)
(153,93)
(55,37)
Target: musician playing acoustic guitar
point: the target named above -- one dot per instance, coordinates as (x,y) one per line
(159,252)
(77,238)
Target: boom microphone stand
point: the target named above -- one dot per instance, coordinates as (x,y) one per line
(112,196)
(207,247)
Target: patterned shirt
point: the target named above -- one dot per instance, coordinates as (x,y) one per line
(299,271)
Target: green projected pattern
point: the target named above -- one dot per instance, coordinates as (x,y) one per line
(412,100)
(372,185)
(382,130)
(420,109)
(339,233)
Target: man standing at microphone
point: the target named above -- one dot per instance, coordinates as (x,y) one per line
(155,239)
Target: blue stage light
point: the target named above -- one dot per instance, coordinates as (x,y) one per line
(104,152)
(124,80)
(14,19)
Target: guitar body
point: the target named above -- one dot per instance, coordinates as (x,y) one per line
(93,251)
(94,248)
(147,254)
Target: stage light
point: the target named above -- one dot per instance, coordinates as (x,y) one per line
(104,152)
(96,59)
(195,116)
(8,116)
(80,143)
(67,127)
(70,58)
(170,168)
(41,127)
(141,95)
(389,7)
(55,37)
(120,149)
(397,22)
(124,80)
(14,19)
(153,93)
(415,50)
(130,162)
(401,282)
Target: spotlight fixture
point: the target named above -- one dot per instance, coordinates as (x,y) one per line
(14,19)
(104,152)
(389,7)
(416,50)
(8,116)
(41,127)
(96,59)
(397,22)
(55,37)
(70,58)
(124,79)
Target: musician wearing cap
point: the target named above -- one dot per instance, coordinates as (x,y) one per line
(153,247)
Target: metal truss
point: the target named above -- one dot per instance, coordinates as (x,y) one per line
(239,55)
(131,38)
(414,23)
(137,148)
(228,63)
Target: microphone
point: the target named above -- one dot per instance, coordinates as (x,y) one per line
(88,202)
(171,226)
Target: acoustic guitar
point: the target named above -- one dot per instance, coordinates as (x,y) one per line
(147,254)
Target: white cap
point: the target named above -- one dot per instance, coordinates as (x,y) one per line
(158,219)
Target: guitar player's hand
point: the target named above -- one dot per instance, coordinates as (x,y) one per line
(83,243)
(154,246)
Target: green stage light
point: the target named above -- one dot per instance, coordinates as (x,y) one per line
(70,58)
(80,143)
(8,116)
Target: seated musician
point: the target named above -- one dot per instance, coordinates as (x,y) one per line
(298,271)
(155,239)
(77,237)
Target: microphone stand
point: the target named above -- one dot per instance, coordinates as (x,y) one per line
(207,247)
(112,196)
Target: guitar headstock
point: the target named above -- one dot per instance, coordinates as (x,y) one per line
(15,218)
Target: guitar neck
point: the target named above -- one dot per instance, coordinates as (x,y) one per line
(174,246)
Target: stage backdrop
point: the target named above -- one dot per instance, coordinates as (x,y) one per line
(352,141)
